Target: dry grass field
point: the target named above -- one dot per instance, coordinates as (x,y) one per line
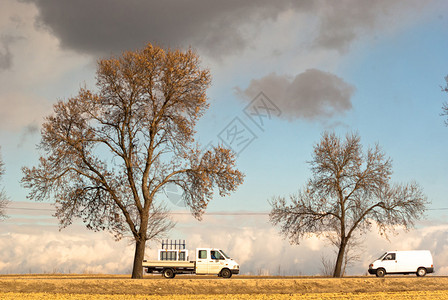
(205,287)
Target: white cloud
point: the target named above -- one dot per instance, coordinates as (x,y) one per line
(31,243)
(64,252)
(26,247)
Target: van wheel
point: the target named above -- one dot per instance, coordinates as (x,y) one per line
(421,272)
(168,273)
(225,273)
(380,272)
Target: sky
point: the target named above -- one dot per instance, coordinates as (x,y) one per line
(283,72)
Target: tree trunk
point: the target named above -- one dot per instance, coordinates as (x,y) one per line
(137,269)
(338,266)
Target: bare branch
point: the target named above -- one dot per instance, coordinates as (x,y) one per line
(3,198)
(445,104)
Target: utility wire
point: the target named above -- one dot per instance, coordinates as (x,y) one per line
(243,213)
(29,208)
(249,213)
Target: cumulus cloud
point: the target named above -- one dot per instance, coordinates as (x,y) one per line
(216,27)
(53,252)
(310,95)
(30,242)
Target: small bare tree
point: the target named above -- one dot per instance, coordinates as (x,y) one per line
(108,154)
(348,192)
(327,265)
(445,105)
(3,198)
(353,254)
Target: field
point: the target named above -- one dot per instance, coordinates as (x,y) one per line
(205,287)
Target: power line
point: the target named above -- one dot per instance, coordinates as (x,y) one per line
(225,213)
(249,213)
(29,208)
(243,213)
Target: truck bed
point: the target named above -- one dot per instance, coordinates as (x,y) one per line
(168,263)
(173,266)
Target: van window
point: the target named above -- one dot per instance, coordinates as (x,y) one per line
(390,256)
(225,255)
(202,254)
(216,255)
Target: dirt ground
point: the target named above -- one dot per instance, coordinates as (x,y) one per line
(207,287)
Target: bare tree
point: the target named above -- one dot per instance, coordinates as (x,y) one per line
(327,263)
(348,192)
(108,154)
(445,105)
(3,198)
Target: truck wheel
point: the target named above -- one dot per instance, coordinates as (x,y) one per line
(421,272)
(168,273)
(225,273)
(380,272)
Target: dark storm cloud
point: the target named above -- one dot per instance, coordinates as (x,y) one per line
(310,95)
(105,26)
(215,27)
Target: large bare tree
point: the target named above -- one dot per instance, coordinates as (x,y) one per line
(3,198)
(108,154)
(349,191)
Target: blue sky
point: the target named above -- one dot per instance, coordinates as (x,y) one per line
(384,62)
(397,103)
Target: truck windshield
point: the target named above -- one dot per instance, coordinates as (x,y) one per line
(382,255)
(225,255)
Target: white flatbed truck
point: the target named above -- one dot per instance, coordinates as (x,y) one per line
(209,261)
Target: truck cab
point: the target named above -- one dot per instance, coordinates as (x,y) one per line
(215,261)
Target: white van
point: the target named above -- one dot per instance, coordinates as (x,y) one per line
(403,262)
